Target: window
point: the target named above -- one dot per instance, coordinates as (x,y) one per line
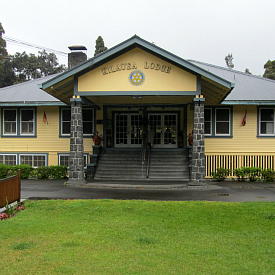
(66,121)
(18,122)
(64,159)
(222,121)
(266,121)
(8,159)
(88,121)
(27,122)
(10,122)
(207,121)
(33,160)
(218,122)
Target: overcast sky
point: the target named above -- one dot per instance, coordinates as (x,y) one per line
(203,30)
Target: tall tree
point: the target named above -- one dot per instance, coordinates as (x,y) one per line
(29,66)
(229,61)
(99,46)
(269,69)
(7,76)
(247,71)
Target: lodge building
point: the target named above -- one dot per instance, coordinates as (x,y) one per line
(161,117)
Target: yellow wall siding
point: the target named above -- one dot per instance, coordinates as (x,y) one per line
(155,80)
(47,140)
(244,140)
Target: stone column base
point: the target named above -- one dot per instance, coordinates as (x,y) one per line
(76,182)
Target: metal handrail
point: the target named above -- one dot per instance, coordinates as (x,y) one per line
(148,162)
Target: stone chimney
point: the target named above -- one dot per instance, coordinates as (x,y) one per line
(76,56)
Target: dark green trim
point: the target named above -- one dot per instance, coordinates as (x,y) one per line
(18,122)
(105,124)
(127,45)
(31,104)
(259,135)
(213,122)
(185,127)
(247,102)
(143,93)
(69,135)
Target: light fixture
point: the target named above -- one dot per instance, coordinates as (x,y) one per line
(137,96)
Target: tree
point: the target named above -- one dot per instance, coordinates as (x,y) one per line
(99,46)
(229,61)
(29,66)
(269,69)
(247,71)
(7,76)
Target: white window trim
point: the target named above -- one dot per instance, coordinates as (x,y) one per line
(229,122)
(33,122)
(46,158)
(260,114)
(61,122)
(16,122)
(211,122)
(10,155)
(68,155)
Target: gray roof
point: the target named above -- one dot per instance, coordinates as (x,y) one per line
(248,88)
(27,93)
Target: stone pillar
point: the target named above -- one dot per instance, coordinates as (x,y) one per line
(198,152)
(76,161)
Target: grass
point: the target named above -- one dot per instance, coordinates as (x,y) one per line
(139,237)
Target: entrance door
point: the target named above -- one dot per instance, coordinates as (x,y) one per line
(166,129)
(128,130)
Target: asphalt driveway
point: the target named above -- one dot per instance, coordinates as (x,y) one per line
(143,190)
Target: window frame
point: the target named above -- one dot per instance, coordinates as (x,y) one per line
(4,155)
(18,133)
(214,121)
(33,155)
(259,134)
(61,135)
(86,155)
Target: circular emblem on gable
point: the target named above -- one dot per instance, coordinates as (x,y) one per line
(136,77)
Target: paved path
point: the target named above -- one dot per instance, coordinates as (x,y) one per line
(144,190)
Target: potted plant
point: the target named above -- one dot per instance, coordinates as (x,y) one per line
(190,138)
(97,138)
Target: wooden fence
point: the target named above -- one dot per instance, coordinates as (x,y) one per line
(231,162)
(10,188)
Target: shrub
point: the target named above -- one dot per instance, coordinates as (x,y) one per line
(43,172)
(253,173)
(58,172)
(268,175)
(25,170)
(240,174)
(3,170)
(221,174)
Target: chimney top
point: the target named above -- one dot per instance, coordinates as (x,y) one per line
(77,48)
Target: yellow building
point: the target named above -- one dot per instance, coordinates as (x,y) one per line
(145,102)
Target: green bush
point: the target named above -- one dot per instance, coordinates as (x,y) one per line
(25,170)
(3,170)
(240,174)
(253,173)
(43,172)
(268,175)
(58,172)
(221,174)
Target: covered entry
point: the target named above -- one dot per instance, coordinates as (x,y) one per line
(173,93)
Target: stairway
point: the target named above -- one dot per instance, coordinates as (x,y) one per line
(122,164)
(169,164)
(125,164)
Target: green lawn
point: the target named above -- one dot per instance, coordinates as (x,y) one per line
(139,237)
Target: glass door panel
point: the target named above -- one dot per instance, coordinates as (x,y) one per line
(165,126)
(128,130)
(121,130)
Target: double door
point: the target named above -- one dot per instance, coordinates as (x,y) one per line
(128,129)
(165,126)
